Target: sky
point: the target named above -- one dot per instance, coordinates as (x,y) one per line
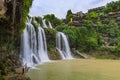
(60,7)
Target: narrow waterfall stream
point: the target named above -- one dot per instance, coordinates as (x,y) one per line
(50,25)
(42,46)
(62,46)
(44,24)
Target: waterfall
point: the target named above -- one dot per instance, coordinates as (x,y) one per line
(62,46)
(44,24)
(50,25)
(42,47)
(33,47)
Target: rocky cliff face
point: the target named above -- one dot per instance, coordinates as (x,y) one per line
(79,19)
(10,22)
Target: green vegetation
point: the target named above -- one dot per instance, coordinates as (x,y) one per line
(51,43)
(112,6)
(83,38)
(92,15)
(35,24)
(25,10)
(9,37)
(1,78)
(39,20)
(54,20)
(98,31)
(51,37)
(69,16)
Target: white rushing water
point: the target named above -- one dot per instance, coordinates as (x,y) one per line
(33,48)
(62,46)
(42,46)
(44,24)
(50,25)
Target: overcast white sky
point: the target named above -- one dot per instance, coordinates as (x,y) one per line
(60,7)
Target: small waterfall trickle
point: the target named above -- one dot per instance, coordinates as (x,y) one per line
(44,23)
(62,46)
(33,47)
(50,25)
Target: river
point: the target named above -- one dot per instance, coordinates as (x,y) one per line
(77,69)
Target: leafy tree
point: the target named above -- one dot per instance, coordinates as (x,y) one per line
(50,34)
(87,39)
(62,27)
(72,36)
(112,6)
(113,29)
(69,15)
(47,17)
(101,28)
(88,23)
(92,15)
(25,10)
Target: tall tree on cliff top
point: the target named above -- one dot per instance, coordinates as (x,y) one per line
(69,15)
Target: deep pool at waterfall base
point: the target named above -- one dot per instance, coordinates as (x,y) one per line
(77,69)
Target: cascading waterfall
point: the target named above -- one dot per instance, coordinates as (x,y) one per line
(62,46)
(33,50)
